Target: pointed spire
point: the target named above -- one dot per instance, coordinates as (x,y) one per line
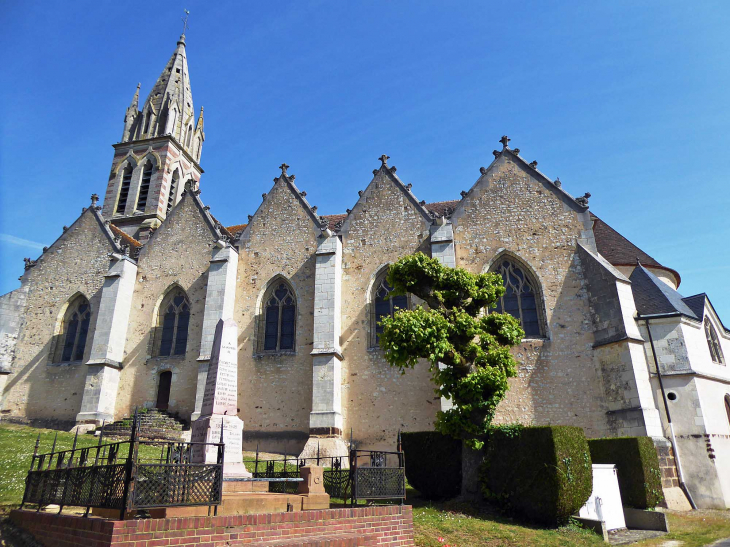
(173,83)
(135,99)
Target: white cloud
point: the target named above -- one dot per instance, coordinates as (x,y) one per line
(7,238)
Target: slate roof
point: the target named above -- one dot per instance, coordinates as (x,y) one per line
(697,304)
(619,251)
(653,296)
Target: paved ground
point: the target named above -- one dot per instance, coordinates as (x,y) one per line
(722,543)
(625,537)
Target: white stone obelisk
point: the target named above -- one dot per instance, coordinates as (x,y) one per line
(220,405)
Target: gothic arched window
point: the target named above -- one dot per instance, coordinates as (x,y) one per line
(144,187)
(713,343)
(172,323)
(174,181)
(147,122)
(383,305)
(74,331)
(124,189)
(190,136)
(279,318)
(521,298)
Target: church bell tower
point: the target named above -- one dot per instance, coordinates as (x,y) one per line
(158,154)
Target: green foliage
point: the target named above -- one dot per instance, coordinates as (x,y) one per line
(637,465)
(453,330)
(542,474)
(433,464)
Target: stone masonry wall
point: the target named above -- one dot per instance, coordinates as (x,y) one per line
(275,390)
(12,306)
(377,399)
(510,210)
(177,254)
(74,264)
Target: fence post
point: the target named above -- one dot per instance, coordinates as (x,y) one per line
(256,465)
(69,464)
(32,464)
(129,471)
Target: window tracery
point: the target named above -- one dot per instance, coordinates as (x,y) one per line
(383,305)
(74,331)
(173,322)
(279,318)
(713,343)
(521,298)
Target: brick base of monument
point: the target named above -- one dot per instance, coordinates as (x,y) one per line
(388,526)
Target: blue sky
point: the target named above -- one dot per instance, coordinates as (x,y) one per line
(623,99)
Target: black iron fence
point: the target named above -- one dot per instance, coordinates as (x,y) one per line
(360,475)
(117,476)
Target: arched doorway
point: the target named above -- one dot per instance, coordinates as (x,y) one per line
(163,390)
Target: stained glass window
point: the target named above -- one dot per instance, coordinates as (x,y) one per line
(74,330)
(714,343)
(173,324)
(520,299)
(384,305)
(280,315)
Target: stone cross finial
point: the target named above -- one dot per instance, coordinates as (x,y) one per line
(505,141)
(384,160)
(94,199)
(283,168)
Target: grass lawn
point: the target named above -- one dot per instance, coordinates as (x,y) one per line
(16,449)
(459,524)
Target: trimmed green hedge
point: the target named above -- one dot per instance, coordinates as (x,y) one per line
(433,463)
(637,464)
(542,474)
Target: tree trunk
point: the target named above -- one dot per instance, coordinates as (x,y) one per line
(471,460)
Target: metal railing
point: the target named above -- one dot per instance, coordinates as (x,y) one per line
(359,475)
(116,476)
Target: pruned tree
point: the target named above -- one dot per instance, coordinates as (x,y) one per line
(455,329)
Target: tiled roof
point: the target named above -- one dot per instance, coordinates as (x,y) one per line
(236,229)
(334,222)
(126,238)
(653,296)
(619,251)
(442,208)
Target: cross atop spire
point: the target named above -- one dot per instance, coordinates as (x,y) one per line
(384,160)
(283,168)
(185,22)
(505,141)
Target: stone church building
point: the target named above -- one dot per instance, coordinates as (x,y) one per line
(120,311)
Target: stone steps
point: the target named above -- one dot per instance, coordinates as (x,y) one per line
(153,425)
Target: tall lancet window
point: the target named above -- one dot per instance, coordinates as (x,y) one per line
(383,305)
(172,324)
(189,137)
(174,181)
(713,343)
(147,122)
(74,331)
(521,298)
(124,190)
(144,187)
(279,318)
